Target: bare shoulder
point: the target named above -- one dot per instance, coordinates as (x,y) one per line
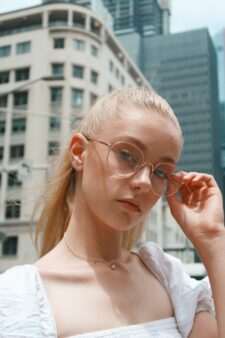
(204,326)
(152,286)
(53,260)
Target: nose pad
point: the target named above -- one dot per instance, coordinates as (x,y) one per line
(142,179)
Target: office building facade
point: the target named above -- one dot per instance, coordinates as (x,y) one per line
(134,19)
(55,60)
(219,42)
(182,67)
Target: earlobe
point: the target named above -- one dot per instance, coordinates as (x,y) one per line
(77,148)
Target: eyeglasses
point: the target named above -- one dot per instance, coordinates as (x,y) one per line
(125,160)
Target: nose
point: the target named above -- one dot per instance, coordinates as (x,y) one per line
(142,179)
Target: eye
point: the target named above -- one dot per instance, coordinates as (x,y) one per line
(161,174)
(126,155)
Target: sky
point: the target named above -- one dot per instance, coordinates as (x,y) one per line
(185,14)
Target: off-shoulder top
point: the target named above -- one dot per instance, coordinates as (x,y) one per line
(25,311)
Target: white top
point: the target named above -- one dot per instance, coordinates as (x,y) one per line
(25,311)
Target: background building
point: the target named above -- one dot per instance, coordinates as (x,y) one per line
(182,67)
(219,42)
(134,19)
(55,60)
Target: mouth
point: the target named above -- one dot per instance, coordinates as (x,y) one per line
(130,205)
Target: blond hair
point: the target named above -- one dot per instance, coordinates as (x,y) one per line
(58,194)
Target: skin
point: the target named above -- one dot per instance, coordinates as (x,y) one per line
(99,219)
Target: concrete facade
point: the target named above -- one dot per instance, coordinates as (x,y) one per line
(55,60)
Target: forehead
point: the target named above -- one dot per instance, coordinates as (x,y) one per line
(149,130)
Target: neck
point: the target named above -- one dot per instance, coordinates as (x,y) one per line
(91,239)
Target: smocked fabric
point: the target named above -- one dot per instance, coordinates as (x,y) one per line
(166,328)
(25,311)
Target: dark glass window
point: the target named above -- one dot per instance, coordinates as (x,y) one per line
(5,51)
(94,77)
(1,153)
(93,98)
(3,101)
(57,69)
(13,179)
(12,209)
(77,97)
(23,47)
(4,77)
(53,148)
(2,127)
(54,123)
(56,95)
(19,125)
(22,74)
(78,72)
(17,151)
(20,99)
(9,247)
(59,43)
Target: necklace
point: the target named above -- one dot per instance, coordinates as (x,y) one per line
(110,264)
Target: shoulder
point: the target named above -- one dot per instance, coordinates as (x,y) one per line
(188,295)
(23,304)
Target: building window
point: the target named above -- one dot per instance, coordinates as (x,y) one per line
(19,126)
(111,66)
(56,95)
(20,99)
(12,209)
(4,77)
(5,51)
(17,151)
(78,20)
(3,101)
(93,98)
(77,97)
(57,69)
(53,148)
(13,179)
(2,127)
(9,247)
(122,80)
(22,74)
(94,51)
(23,47)
(59,43)
(79,44)
(94,77)
(54,123)
(117,73)
(1,153)
(78,72)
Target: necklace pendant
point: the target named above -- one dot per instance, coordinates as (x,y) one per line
(113,266)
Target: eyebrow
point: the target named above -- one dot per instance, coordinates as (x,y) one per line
(142,146)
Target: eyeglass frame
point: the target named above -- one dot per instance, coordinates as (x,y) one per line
(145,163)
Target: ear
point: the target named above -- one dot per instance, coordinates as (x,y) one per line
(77,148)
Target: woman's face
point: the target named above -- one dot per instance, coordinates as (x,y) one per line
(122,202)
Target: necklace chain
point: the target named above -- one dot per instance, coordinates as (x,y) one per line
(110,264)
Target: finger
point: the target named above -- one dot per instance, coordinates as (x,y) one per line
(185,193)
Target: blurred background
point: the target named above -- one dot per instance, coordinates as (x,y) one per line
(58,57)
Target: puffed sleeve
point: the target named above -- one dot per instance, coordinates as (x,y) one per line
(188,295)
(24,311)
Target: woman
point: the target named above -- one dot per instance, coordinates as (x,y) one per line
(88,282)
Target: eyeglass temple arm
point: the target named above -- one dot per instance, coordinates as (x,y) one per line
(94,140)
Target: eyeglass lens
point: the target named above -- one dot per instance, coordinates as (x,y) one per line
(125,159)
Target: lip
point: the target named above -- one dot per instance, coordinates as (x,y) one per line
(130,204)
